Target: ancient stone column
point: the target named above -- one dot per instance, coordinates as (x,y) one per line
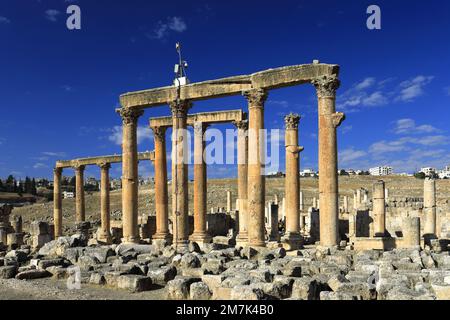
(130,181)
(358,198)
(180,173)
(200,234)
(329,120)
(345,204)
(161,193)
(242,154)
(57,202)
(292,237)
(302,206)
(229,201)
(256,167)
(80,212)
(379,209)
(429,206)
(104,234)
(411,232)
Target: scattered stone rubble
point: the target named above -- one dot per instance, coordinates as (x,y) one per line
(222,272)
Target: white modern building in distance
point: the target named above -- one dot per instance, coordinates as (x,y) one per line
(428,171)
(381,171)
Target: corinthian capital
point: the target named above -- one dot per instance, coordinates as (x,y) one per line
(159,133)
(79,167)
(291,121)
(200,128)
(338,117)
(130,115)
(104,165)
(326,86)
(180,108)
(255,97)
(242,125)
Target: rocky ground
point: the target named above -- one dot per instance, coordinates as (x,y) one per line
(220,272)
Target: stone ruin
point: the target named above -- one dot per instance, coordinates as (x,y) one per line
(260,250)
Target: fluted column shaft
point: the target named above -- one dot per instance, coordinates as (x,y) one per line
(80,210)
(161,197)
(256,167)
(57,202)
(130,181)
(180,173)
(329,120)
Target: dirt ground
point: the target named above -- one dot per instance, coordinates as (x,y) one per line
(47,289)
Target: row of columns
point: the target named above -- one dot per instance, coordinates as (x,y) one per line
(253,220)
(104,234)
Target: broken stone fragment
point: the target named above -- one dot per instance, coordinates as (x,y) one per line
(199,291)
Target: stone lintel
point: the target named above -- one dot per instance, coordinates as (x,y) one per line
(149,155)
(204,117)
(267,79)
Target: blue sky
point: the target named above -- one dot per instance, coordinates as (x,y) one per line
(59,88)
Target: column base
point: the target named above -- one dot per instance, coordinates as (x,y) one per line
(104,240)
(200,237)
(181,245)
(257,244)
(134,239)
(160,237)
(292,241)
(242,239)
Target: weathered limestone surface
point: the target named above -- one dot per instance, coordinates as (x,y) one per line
(329,120)
(379,209)
(256,174)
(267,79)
(179,173)
(292,238)
(161,192)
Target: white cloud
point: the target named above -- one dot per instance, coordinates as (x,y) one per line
(2,140)
(40,165)
(348,156)
(4,20)
(54,154)
(408,126)
(52,15)
(366,83)
(143,133)
(447,90)
(413,88)
(346,129)
(372,93)
(163,29)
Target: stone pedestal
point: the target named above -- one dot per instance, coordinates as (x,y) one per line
(379,209)
(242,154)
(256,171)
(130,181)
(329,120)
(179,111)
(104,234)
(200,234)
(292,183)
(161,192)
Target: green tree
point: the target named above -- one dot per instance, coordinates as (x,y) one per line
(33,189)
(419,175)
